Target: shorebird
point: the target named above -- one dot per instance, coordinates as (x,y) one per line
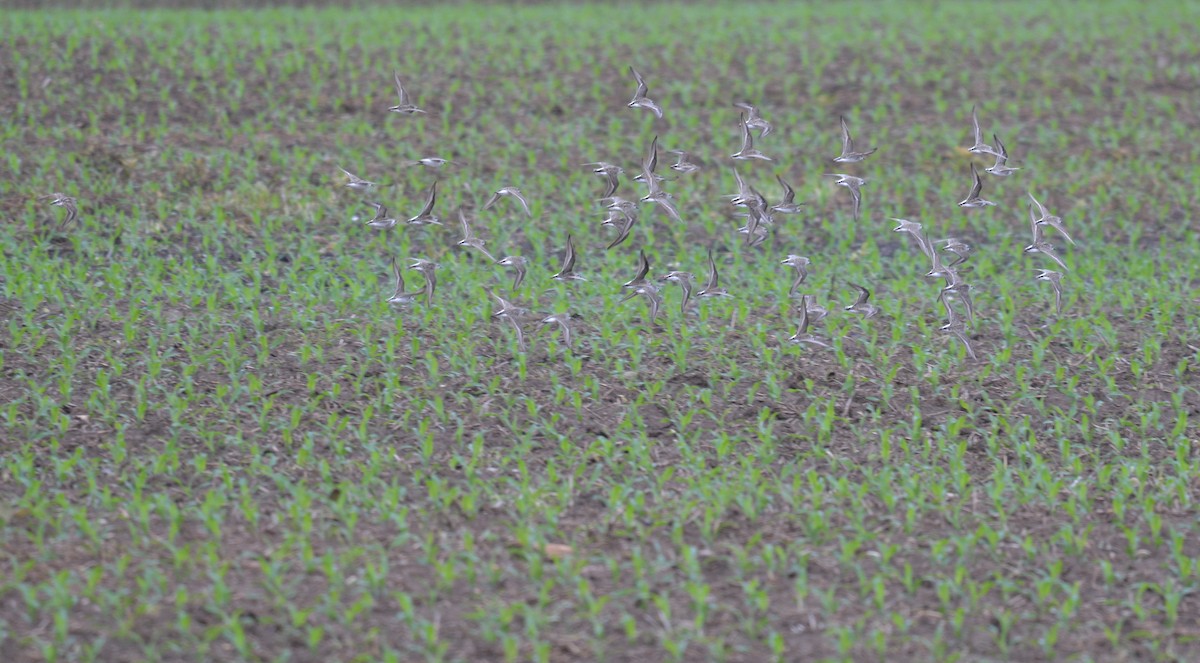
(958,330)
(649,165)
(507,308)
(712,287)
(650,292)
(647,175)
(66,202)
(685,281)
(1055,280)
(758,219)
(619,204)
(788,205)
(567,273)
(1048,219)
(604,167)
(756,201)
(800,265)
(802,335)
(509,312)
(816,313)
(519,266)
(426,216)
(381,219)
(432,162)
(1046,249)
(511,192)
(963,292)
(624,225)
(853,184)
(682,164)
(757,223)
(739,199)
(861,305)
(973,199)
(1040,245)
(664,201)
(655,193)
(748,152)
(640,100)
(938,270)
(848,154)
(754,120)
(609,172)
(959,248)
(428,268)
(1000,168)
(641,176)
(643,269)
(470,240)
(979,147)
(400,296)
(355,182)
(563,321)
(406,106)
(914,230)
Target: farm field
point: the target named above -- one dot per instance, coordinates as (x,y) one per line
(221,441)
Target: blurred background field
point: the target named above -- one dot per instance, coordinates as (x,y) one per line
(219,441)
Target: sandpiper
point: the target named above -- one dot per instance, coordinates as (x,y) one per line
(853,184)
(567,273)
(685,281)
(519,266)
(381,219)
(1048,219)
(432,162)
(470,240)
(848,154)
(1055,280)
(640,100)
(643,269)
(426,216)
(428,268)
(712,287)
(747,151)
(563,321)
(800,265)
(802,335)
(509,312)
(609,172)
(511,192)
(406,106)
(650,292)
(861,304)
(788,205)
(973,199)
(958,330)
(623,224)
(66,202)
(1000,168)
(962,291)
(682,163)
(400,296)
(355,182)
(979,147)
(754,120)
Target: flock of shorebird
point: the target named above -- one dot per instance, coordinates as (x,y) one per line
(622,215)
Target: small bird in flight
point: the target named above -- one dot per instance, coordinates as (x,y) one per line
(640,100)
(973,199)
(406,106)
(848,154)
(511,192)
